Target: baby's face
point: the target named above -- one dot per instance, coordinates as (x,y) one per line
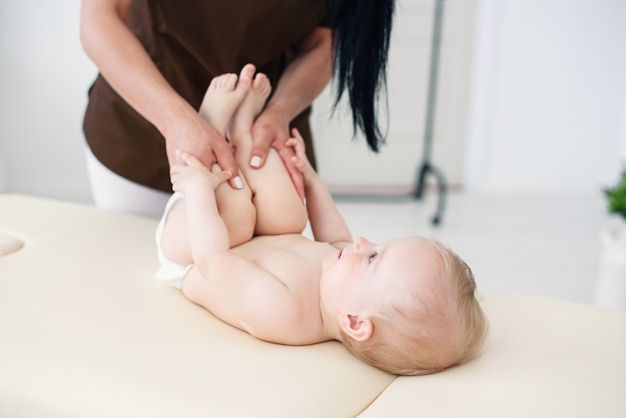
(363,273)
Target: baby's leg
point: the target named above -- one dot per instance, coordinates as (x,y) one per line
(221,100)
(279,209)
(224,94)
(175,238)
(235,206)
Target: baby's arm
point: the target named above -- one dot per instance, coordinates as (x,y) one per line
(206,230)
(246,297)
(326,222)
(232,288)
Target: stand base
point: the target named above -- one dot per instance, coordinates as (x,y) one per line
(441,189)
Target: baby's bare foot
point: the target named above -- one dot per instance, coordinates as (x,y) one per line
(250,107)
(224,95)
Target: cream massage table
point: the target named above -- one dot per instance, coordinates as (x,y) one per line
(85,331)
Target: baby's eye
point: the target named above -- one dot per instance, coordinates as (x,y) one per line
(372,256)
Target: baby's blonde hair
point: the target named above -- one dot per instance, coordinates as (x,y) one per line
(421,335)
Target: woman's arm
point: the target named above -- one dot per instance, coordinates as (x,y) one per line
(303,80)
(126,66)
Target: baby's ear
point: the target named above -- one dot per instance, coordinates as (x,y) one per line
(359,329)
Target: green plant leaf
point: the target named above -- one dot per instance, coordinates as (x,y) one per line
(616,196)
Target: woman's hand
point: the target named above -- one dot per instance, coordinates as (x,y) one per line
(193,176)
(271,129)
(197,137)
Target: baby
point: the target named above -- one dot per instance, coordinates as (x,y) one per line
(406,306)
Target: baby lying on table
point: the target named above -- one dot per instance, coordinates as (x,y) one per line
(406,306)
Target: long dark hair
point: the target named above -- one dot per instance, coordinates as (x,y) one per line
(361,31)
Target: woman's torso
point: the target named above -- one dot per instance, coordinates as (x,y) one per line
(190,43)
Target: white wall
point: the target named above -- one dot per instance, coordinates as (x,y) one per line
(44,79)
(547,112)
(548,105)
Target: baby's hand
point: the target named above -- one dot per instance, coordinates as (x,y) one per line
(196,176)
(300,160)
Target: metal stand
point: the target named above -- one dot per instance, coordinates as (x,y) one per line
(426,166)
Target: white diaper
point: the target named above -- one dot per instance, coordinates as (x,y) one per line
(170,272)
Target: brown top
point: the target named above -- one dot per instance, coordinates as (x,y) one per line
(190,46)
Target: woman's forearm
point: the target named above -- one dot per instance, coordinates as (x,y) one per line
(125,64)
(305,77)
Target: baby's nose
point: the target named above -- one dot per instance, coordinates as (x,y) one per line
(361,243)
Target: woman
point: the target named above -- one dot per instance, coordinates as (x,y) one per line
(156,59)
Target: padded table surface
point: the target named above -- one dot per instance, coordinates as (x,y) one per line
(85,331)
(545,358)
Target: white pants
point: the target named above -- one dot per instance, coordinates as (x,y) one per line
(113,192)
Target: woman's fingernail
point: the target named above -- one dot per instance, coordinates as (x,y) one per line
(238,182)
(255,161)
